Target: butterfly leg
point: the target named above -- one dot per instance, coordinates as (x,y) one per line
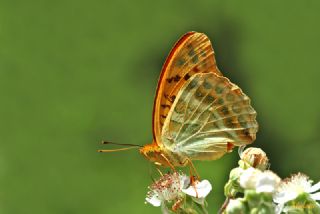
(192,169)
(168,162)
(158,170)
(177,205)
(161,174)
(193,179)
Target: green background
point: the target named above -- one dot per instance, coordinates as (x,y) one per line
(73,73)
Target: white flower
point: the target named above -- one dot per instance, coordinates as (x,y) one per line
(259,181)
(267,181)
(167,188)
(290,189)
(199,190)
(248,178)
(154,200)
(172,187)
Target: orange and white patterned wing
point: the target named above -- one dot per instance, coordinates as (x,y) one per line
(209,115)
(192,54)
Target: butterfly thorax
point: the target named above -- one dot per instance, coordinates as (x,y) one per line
(162,156)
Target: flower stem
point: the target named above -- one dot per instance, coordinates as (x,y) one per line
(224,205)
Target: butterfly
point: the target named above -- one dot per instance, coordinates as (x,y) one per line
(198,113)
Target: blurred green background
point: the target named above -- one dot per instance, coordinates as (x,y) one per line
(73,73)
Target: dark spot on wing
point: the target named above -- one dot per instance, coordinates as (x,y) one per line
(224,110)
(220,101)
(195,59)
(207,85)
(180,61)
(209,98)
(219,90)
(196,69)
(173,97)
(187,76)
(230,97)
(165,106)
(192,84)
(199,93)
(175,79)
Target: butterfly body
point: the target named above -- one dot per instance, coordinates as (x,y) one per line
(167,158)
(162,156)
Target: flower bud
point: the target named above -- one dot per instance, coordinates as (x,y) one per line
(236,206)
(232,187)
(254,157)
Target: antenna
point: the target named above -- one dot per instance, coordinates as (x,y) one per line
(131,146)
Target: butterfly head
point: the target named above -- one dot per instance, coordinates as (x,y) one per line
(153,153)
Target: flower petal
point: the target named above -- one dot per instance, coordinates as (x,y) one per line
(315,196)
(198,200)
(184,181)
(284,197)
(248,178)
(267,181)
(314,188)
(279,208)
(154,200)
(200,190)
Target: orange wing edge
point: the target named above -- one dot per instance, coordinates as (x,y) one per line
(163,70)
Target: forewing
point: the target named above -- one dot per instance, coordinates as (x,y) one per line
(192,54)
(209,114)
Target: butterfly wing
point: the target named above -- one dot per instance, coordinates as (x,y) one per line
(208,114)
(192,54)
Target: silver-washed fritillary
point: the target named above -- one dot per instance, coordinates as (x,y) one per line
(198,113)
